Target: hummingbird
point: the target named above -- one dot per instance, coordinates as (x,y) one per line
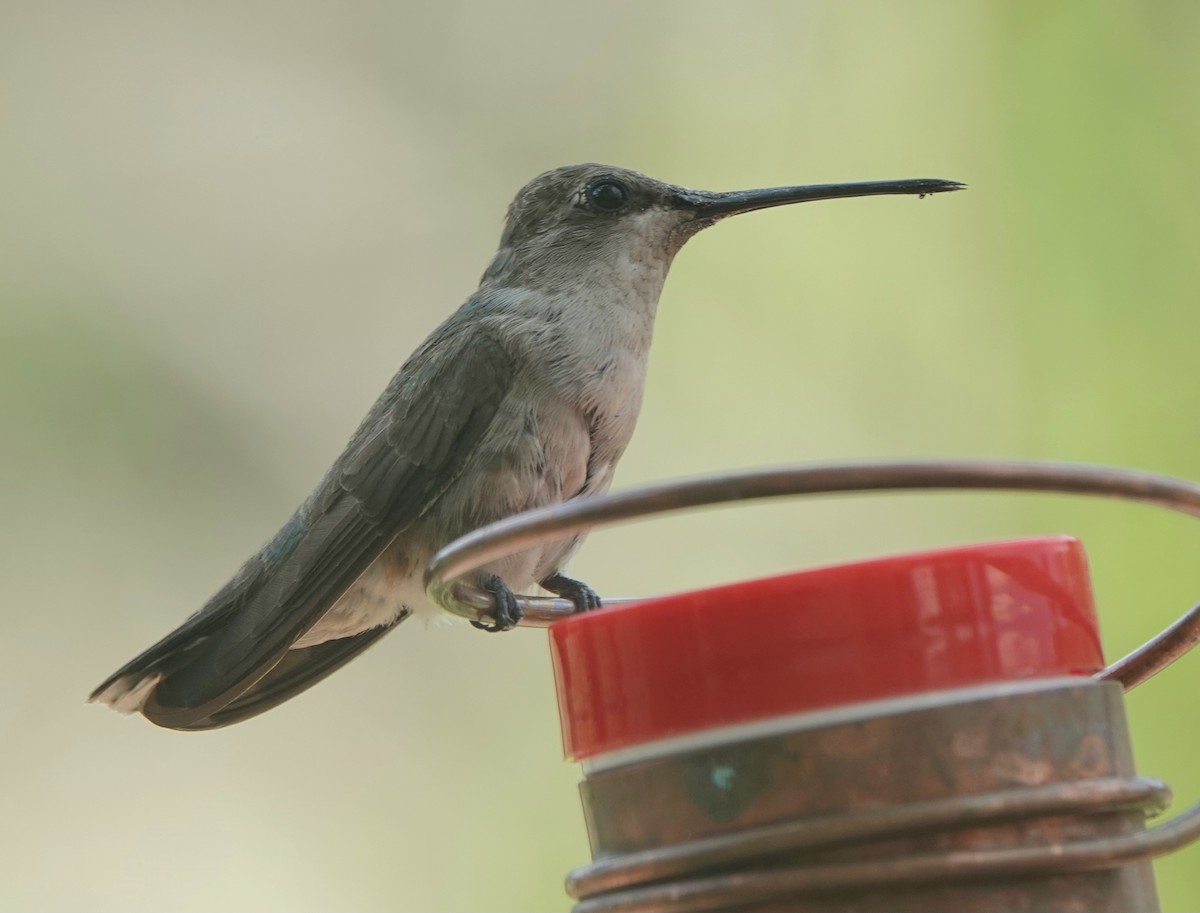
(526,396)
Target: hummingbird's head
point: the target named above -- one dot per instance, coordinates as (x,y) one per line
(583,218)
(579,218)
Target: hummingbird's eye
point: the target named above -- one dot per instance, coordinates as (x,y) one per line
(607,195)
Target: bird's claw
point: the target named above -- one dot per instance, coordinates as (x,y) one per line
(507,612)
(583,596)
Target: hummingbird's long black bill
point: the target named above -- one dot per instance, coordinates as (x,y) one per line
(718,205)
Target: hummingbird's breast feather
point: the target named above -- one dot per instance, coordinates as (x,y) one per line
(558,434)
(538,451)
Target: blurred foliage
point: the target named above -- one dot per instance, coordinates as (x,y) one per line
(225,225)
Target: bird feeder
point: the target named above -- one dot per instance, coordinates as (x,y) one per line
(931,731)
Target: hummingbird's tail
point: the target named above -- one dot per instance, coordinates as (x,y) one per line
(131,688)
(127,689)
(128,693)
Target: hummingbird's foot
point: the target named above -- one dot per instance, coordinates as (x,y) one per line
(584,597)
(508,613)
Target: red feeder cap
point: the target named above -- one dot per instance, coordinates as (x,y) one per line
(822,638)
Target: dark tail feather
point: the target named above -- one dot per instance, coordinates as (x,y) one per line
(297,671)
(173,652)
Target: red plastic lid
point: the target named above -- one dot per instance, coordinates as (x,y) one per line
(822,638)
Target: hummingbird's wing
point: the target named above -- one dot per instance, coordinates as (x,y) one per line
(410,448)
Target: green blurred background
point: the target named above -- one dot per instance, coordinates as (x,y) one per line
(224,225)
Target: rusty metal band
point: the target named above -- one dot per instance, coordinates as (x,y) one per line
(1096,796)
(512,535)
(748,887)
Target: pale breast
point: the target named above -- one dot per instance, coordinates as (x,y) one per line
(555,437)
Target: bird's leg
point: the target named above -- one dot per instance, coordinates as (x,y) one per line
(584,597)
(508,613)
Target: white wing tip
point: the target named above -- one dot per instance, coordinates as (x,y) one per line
(127,694)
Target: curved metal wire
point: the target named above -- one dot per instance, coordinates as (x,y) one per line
(498,540)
